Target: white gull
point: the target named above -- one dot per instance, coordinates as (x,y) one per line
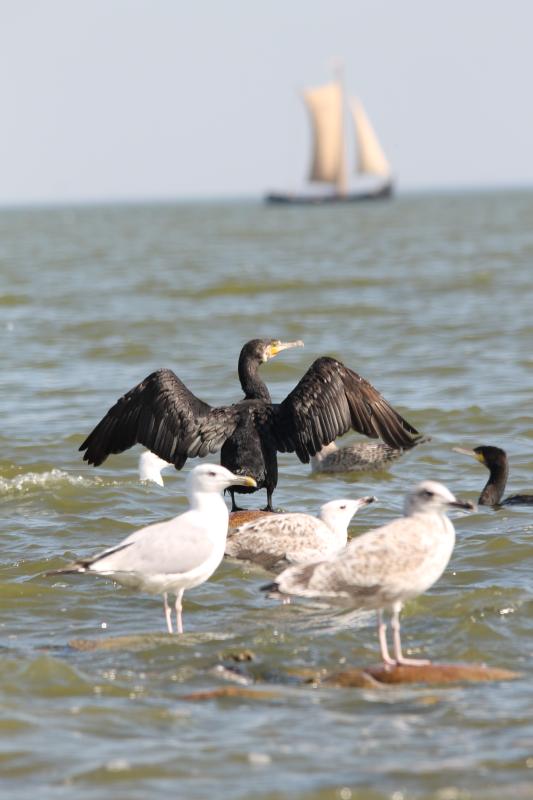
(151,467)
(175,555)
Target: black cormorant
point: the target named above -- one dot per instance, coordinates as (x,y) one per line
(164,416)
(496,461)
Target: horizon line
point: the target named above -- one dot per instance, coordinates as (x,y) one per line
(248,197)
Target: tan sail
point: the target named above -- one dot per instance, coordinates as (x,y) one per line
(325,105)
(372,159)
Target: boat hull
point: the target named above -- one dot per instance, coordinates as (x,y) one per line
(383,193)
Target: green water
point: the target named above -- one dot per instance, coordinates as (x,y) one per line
(428,297)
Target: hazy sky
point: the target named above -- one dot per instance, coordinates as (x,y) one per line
(133,99)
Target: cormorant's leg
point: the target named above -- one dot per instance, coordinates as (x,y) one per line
(382,637)
(168,613)
(395,625)
(178,607)
(268,506)
(234,506)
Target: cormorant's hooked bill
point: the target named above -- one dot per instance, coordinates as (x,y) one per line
(166,417)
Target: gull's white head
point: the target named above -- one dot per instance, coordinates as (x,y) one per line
(431,497)
(337,513)
(209,478)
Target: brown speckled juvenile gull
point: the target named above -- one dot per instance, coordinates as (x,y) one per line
(358,457)
(276,540)
(385,567)
(355,457)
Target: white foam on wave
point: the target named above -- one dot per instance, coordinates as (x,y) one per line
(52,478)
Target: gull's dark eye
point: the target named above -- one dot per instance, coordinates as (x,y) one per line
(342,508)
(212,474)
(427,493)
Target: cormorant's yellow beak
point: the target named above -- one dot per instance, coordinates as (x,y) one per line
(471,453)
(276,347)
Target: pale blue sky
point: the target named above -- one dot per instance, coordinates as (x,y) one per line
(140,99)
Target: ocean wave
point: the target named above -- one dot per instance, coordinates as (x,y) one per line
(54,478)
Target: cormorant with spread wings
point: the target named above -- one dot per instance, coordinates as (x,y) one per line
(163,415)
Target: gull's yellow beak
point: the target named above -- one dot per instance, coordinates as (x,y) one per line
(244,480)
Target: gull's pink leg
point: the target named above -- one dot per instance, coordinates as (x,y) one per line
(382,637)
(178,606)
(168,613)
(395,625)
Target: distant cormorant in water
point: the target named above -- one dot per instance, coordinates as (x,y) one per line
(496,461)
(164,416)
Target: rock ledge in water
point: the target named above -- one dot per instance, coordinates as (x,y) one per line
(237,518)
(232,691)
(430,674)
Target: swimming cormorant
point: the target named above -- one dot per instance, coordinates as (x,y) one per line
(496,461)
(164,416)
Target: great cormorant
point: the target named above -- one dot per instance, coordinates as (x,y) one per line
(164,416)
(496,461)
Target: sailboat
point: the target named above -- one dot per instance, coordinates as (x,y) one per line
(326,106)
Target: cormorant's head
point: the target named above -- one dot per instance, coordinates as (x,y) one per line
(261,350)
(489,456)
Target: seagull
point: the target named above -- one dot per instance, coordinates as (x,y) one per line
(277,540)
(368,456)
(355,457)
(385,567)
(151,467)
(175,555)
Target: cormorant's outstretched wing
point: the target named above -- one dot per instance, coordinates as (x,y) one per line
(328,401)
(164,416)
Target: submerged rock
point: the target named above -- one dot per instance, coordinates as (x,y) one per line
(237,518)
(430,674)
